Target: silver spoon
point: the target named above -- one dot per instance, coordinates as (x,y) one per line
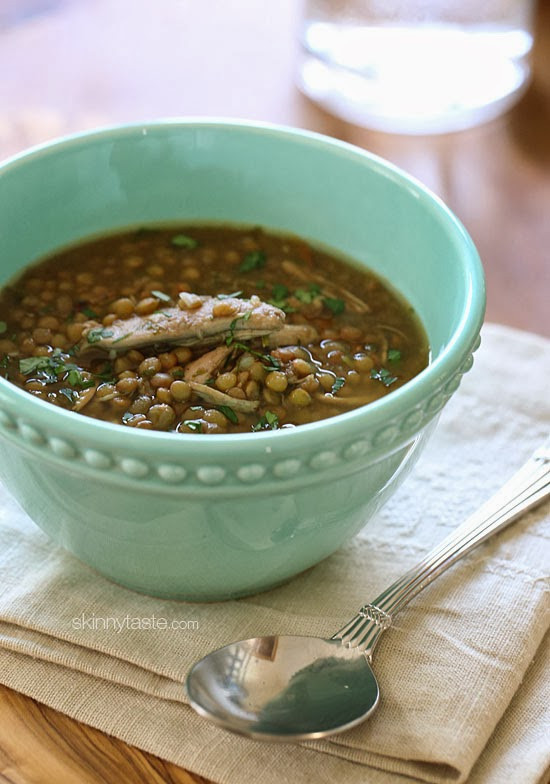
(296,688)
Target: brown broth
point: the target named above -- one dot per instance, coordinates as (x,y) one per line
(369,342)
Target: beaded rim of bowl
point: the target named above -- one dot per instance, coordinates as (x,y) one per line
(267,469)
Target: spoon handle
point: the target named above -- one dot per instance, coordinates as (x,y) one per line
(527,488)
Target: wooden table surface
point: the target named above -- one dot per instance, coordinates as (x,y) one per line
(68,65)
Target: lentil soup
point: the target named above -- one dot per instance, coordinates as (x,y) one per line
(206,329)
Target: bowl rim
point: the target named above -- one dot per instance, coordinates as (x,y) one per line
(441,369)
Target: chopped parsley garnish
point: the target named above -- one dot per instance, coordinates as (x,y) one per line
(50,368)
(383,375)
(91,314)
(122,337)
(279,294)
(176,373)
(75,379)
(228,412)
(46,367)
(338,384)
(337,306)
(4,362)
(394,355)
(98,333)
(306,296)
(270,362)
(269,421)
(193,424)
(231,337)
(161,295)
(252,261)
(228,296)
(70,394)
(279,291)
(184,241)
(3,327)
(282,304)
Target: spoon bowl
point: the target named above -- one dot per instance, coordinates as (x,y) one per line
(299,688)
(284,687)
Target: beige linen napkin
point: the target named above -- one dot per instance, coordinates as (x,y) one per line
(465,693)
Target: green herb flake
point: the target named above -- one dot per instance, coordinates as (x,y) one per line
(269,421)
(3,327)
(279,294)
(184,241)
(252,261)
(383,375)
(89,313)
(279,291)
(271,362)
(176,373)
(4,362)
(121,338)
(30,365)
(70,394)
(193,424)
(338,384)
(337,306)
(228,412)
(161,295)
(75,379)
(394,355)
(282,304)
(46,368)
(231,337)
(306,296)
(98,333)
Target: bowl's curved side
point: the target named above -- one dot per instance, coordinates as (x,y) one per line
(211,544)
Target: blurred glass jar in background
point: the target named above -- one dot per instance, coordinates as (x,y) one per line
(416,66)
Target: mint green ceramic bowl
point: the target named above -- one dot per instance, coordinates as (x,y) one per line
(214,517)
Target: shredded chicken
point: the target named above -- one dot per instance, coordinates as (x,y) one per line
(292,335)
(84,398)
(203,368)
(221,399)
(187,325)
